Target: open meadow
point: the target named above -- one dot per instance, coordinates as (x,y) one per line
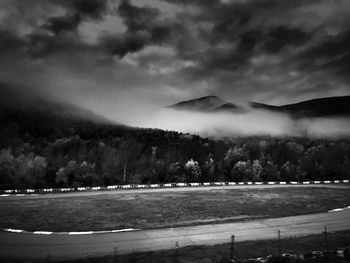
(144,210)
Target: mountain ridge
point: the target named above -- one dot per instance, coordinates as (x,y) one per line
(206,103)
(17,98)
(318,107)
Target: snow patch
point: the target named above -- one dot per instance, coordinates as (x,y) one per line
(13,230)
(70,233)
(339,209)
(42,233)
(81,233)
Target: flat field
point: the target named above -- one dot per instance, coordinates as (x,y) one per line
(165,209)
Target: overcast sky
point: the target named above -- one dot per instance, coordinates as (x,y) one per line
(123,57)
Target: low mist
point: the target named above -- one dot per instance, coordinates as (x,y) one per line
(211,124)
(252,122)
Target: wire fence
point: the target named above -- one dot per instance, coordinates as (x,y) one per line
(325,254)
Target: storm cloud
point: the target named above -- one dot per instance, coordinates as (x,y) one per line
(125,58)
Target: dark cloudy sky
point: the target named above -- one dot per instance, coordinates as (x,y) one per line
(123,57)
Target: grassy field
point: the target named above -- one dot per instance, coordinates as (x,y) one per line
(165,209)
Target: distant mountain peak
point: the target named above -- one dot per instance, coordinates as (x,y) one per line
(206,103)
(209,96)
(229,107)
(321,107)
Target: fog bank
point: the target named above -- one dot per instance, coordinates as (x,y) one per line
(254,122)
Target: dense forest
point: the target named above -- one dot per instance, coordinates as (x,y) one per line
(41,149)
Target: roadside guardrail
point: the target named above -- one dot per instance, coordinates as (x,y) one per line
(165,185)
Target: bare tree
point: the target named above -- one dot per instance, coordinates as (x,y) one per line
(127,150)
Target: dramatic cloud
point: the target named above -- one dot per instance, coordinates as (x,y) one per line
(124,58)
(61,24)
(87,8)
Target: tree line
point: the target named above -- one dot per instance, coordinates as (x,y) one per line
(72,153)
(75,162)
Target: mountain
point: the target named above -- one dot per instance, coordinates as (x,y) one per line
(203,104)
(228,107)
(263,106)
(322,107)
(24,115)
(17,98)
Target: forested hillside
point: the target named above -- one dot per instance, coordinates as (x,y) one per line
(43,149)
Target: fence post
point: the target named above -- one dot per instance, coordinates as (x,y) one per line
(115,254)
(326,238)
(176,251)
(87,254)
(327,252)
(279,243)
(232,249)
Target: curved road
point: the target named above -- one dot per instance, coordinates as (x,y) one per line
(61,246)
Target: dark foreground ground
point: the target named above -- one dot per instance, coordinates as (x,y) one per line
(243,250)
(76,246)
(222,253)
(148,210)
